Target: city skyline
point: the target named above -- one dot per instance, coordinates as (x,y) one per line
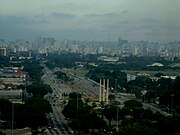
(91,20)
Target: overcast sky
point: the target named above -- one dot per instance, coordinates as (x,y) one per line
(154,20)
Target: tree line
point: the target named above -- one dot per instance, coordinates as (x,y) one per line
(132,118)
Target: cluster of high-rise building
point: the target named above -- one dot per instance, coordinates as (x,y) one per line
(122,48)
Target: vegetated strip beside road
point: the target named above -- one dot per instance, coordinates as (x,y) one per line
(166,72)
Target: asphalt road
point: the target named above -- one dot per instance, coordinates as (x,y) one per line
(59,124)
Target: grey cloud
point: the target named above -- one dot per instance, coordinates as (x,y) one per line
(11,27)
(42,21)
(92,15)
(150,20)
(100,15)
(100,19)
(55,15)
(42,15)
(14,25)
(125,12)
(83,34)
(109,14)
(155,25)
(41,18)
(62,15)
(13,20)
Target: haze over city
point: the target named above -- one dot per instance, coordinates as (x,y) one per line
(89,67)
(91,20)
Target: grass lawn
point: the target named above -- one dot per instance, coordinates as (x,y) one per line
(78,71)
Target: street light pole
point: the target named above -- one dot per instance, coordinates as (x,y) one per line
(77,113)
(12,122)
(77,105)
(117,124)
(117,118)
(115,84)
(172,95)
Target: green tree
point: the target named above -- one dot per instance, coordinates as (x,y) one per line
(34,69)
(136,114)
(5,109)
(91,121)
(117,77)
(1,133)
(39,89)
(131,104)
(176,83)
(148,114)
(137,130)
(110,112)
(124,112)
(4,61)
(75,96)
(143,82)
(22,87)
(35,112)
(164,84)
(82,117)
(20,118)
(62,76)
(159,74)
(112,97)
(74,106)
(165,126)
(137,91)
